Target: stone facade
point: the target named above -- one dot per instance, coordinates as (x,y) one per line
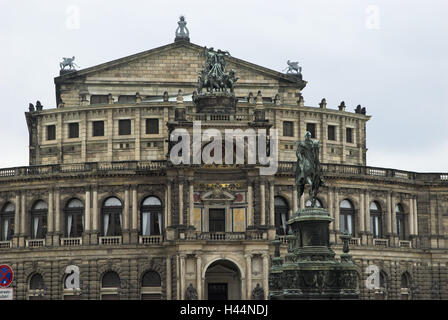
(133,166)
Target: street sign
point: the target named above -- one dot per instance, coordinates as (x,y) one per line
(7,294)
(6,275)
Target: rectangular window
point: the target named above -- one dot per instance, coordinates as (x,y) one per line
(217,221)
(124,127)
(98,128)
(73,130)
(332,133)
(152,126)
(349,135)
(99,99)
(127,99)
(288,129)
(311,127)
(51,132)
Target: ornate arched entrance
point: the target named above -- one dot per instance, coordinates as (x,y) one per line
(222,281)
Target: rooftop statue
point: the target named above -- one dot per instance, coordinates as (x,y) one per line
(293,68)
(68,62)
(308,170)
(213,75)
(182,30)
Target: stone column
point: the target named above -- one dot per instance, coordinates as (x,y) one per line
(250,217)
(389,215)
(336,212)
(181,203)
(94,237)
(168,278)
(57,218)
(23,230)
(361,212)
(302,201)
(87,212)
(168,203)
(134,209)
(199,276)
(191,202)
(249,275)
(415,217)
(271,204)
(411,216)
(262,203)
(178,278)
(367,218)
(182,277)
(125,227)
(295,206)
(17,215)
(394,216)
(266,275)
(50,213)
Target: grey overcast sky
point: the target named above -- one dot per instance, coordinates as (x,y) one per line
(389,56)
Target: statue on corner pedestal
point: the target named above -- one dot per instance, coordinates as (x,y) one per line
(308,169)
(191,293)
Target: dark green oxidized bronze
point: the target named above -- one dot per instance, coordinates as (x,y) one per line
(310,270)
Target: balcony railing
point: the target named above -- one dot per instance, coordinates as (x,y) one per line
(69,242)
(381,242)
(404,244)
(150,239)
(226,236)
(355,241)
(35,243)
(5,244)
(110,241)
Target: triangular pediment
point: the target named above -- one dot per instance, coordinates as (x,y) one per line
(178,62)
(217,194)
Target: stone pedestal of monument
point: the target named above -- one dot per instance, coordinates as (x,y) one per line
(310,270)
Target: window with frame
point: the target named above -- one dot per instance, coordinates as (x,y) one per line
(51,132)
(217,220)
(99,99)
(36,287)
(124,127)
(346,217)
(7,222)
(39,220)
(151,213)
(152,126)
(332,133)
(311,127)
(98,128)
(112,217)
(127,99)
(110,284)
(74,218)
(281,210)
(151,286)
(349,135)
(400,220)
(376,223)
(288,129)
(73,130)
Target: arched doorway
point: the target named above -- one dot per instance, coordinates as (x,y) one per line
(223,281)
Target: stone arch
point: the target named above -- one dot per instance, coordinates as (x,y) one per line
(207,265)
(223,279)
(156,265)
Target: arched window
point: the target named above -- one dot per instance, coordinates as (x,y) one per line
(400,218)
(318,203)
(376,222)
(36,289)
(39,220)
(112,217)
(381,294)
(405,284)
(110,285)
(151,286)
(7,222)
(347,217)
(74,218)
(281,215)
(151,212)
